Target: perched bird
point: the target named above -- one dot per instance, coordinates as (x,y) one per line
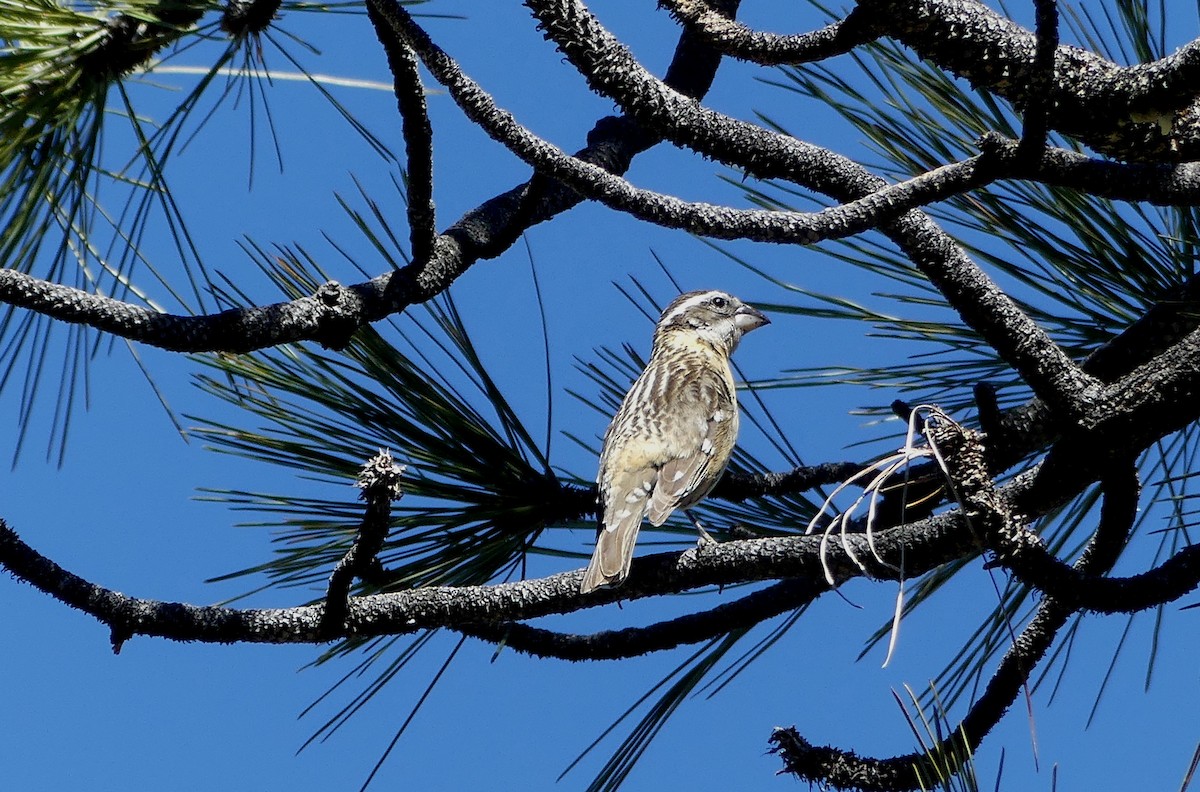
(671,439)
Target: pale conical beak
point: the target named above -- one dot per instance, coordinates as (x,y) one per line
(748,318)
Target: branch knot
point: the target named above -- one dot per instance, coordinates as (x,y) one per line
(338,318)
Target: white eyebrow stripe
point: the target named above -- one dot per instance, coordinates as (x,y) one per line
(690,303)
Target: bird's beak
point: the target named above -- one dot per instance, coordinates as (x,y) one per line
(748,318)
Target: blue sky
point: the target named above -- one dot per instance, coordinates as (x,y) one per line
(122,510)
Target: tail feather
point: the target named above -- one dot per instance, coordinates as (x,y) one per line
(614,552)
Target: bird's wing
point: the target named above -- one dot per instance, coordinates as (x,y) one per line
(704,432)
(624,501)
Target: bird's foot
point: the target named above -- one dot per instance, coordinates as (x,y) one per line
(705,536)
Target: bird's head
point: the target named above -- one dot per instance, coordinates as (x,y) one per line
(716,317)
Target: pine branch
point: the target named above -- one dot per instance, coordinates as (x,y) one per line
(380,483)
(612,70)
(924,545)
(732,38)
(1147,112)
(690,628)
(846,770)
(418,138)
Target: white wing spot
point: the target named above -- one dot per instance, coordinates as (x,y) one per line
(634,496)
(706,447)
(678,475)
(621,515)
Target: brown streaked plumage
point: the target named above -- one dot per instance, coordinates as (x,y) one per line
(672,436)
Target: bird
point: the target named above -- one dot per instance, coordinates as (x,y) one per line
(673,434)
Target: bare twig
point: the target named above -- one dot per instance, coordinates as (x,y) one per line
(418,140)
(380,483)
(1037,109)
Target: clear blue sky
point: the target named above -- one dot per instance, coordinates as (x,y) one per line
(122,511)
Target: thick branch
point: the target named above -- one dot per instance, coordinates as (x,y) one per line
(1033,565)
(1022,430)
(925,545)
(1153,400)
(331,317)
(418,141)
(1144,111)
(691,628)
(846,770)
(1147,112)
(611,70)
(730,37)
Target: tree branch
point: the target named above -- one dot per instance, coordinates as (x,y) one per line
(418,140)
(1022,430)
(1029,561)
(690,628)
(336,311)
(720,222)
(925,544)
(1147,112)
(380,483)
(846,770)
(612,71)
(732,38)
(1037,110)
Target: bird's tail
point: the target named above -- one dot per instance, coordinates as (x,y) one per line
(614,553)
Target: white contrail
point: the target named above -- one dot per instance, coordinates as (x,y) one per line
(228,71)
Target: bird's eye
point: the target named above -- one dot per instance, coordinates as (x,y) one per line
(720,303)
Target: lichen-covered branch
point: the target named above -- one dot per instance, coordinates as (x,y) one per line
(847,770)
(732,38)
(613,71)
(380,483)
(924,544)
(690,628)
(1146,112)
(418,141)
